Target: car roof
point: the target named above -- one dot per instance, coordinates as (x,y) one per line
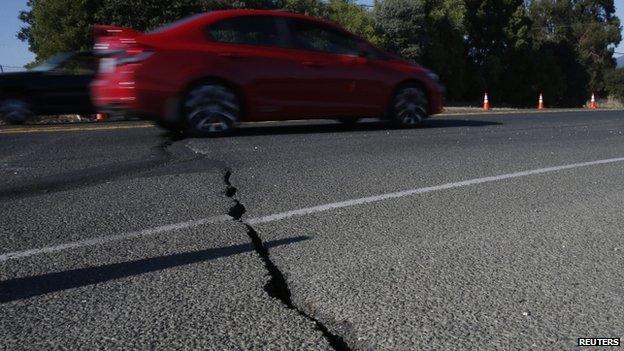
(218,15)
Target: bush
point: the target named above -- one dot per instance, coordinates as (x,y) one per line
(614,81)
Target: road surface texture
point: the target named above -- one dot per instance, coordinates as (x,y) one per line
(498,231)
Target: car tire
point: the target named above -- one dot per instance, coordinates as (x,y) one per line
(15,111)
(409,106)
(210,110)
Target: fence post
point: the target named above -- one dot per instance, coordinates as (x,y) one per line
(1,69)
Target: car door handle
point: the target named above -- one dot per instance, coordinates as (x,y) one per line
(312,64)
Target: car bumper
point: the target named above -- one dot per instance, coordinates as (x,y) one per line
(436,99)
(124,97)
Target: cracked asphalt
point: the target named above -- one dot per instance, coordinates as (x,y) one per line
(136,239)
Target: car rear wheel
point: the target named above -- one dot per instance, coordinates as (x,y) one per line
(409,106)
(210,109)
(15,111)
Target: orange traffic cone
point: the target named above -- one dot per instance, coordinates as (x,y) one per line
(100,117)
(486,103)
(540,103)
(592,103)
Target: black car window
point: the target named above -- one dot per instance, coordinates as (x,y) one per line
(308,35)
(376,54)
(251,30)
(78,65)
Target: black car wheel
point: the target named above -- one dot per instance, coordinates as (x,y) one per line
(409,106)
(210,109)
(15,111)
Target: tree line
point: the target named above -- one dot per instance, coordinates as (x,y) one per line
(513,49)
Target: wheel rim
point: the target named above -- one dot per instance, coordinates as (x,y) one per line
(211,109)
(14,110)
(410,106)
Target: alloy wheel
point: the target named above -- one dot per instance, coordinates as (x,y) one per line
(15,111)
(410,106)
(211,110)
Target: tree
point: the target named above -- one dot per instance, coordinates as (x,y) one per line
(444,48)
(58,25)
(354,18)
(489,44)
(53,26)
(597,31)
(307,7)
(585,31)
(432,33)
(614,81)
(402,24)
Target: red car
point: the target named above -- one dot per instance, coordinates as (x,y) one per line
(205,73)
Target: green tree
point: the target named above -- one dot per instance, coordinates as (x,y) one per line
(489,45)
(53,26)
(58,25)
(402,26)
(430,32)
(444,50)
(307,7)
(614,81)
(353,17)
(597,32)
(584,33)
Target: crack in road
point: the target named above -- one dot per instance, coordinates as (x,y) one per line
(158,163)
(277,286)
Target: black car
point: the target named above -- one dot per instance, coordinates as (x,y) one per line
(59,85)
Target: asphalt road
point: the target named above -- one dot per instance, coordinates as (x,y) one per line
(498,231)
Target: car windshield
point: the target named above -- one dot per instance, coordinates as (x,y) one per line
(53,62)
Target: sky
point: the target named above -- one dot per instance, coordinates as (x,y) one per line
(15,53)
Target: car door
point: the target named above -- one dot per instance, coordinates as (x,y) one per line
(68,85)
(335,78)
(253,52)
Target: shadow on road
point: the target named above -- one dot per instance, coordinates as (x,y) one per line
(23,288)
(329,127)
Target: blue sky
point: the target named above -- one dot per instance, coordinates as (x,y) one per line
(15,53)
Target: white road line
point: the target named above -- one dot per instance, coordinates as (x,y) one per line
(299,212)
(105,239)
(382,197)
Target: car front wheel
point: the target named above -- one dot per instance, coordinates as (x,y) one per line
(210,109)
(15,111)
(409,106)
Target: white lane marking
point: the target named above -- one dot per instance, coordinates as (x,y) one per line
(382,197)
(105,239)
(299,212)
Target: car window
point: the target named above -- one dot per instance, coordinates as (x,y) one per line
(251,30)
(376,54)
(308,35)
(78,65)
